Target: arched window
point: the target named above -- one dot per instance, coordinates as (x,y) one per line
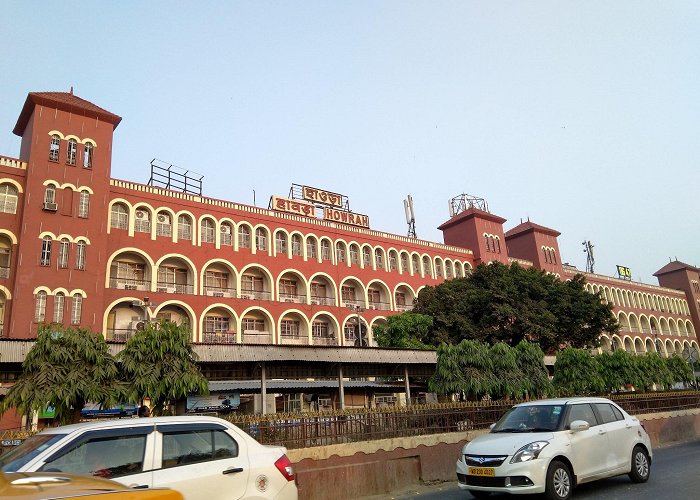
(55,147)
(120,216)
(261,239)
(296,244)
(84,204)
(404,263)
(366,257)
(427,267)
(87,155)
(280,243)
(8,199)
(80,255)
(58,307)
(76,309)
(163,225)
(50,195)
(325,250)
(143,221)
(226,234)
(63,249)
(184,227)
(207,231)
(72,151)
(393,264)
(340,252)
(311,251)
(379,258)
(438,268)
(40,307)
(45,259)
(243,236)
(415,264)
(355,254)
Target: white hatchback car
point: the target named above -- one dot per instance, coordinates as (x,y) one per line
(550,446)
(201,457)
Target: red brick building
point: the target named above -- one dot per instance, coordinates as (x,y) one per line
(79,247)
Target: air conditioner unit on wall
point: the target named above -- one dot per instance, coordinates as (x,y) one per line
(51,207)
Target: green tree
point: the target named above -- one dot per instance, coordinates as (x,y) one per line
(530,359)
(619,369)
(508,380)
(65,368)
(404,331)
(679,370)
(159,362)
(465,369)
(654,371)
(499,303)
(577,373)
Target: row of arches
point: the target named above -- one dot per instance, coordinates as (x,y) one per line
(655,326)
(133,269)
(220,323)
(180,226)
(640,345)
(639,300)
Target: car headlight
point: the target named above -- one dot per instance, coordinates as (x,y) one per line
(528,452)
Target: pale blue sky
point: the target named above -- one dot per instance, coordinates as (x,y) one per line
(582,116)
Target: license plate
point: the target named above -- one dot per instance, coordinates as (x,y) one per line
(482,471)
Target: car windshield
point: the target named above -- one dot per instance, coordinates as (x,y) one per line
(13,460)
(530,418)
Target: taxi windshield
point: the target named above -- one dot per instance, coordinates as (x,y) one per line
(530,418)
(13,460)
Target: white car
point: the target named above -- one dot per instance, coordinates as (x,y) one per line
(550,446)
(201,457)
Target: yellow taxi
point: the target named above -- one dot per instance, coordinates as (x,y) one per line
(48,486)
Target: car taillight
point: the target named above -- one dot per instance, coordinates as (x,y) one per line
(285,467)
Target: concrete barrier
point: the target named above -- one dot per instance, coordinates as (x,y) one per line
(353,470)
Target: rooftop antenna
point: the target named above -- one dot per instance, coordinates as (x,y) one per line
(590,260)
(410,217)
(464,202)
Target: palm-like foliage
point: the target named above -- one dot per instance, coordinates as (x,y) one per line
(159,362)
(530,359)
(620,368)
(509,379)
(65,368)
(464,369)
(576,372)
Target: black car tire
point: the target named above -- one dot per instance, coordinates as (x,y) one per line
(641,466)
(560,483)
(479,494)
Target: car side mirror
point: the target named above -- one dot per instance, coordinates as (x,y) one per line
(579,425)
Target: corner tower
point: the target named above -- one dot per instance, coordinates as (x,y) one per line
(535,243)
(67,146)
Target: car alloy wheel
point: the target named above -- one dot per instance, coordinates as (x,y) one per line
(558,482)
(640,465)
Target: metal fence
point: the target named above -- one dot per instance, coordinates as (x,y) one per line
(325,428)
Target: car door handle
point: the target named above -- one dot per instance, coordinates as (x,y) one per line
(233,470)
(138,486)
(601,432)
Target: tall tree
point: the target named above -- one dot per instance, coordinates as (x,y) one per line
(159,362)
(404,331)
(499,303)
(509,380)
(530,359)
(65,368)
(576,372)
(465,369)
(680,371)
(618,369)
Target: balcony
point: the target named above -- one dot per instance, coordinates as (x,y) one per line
(294,298)
(322,301)
(294,339)
(382,306)
(120,334)
(324,341)
(4,272)
(213,291)
(219,337)
(182,288)
(404,307)
(255,295)
(130,284)
(256,337)
(353,303)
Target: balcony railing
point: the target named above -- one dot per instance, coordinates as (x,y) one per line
(130,284)
(294,339)
(255,295)
(382,306)
(404,307)
(185,288)
(324,340)
(4,272)
(353,302)
(215,291)
(291,297)
(322,301)
(256,337)
(120,334)
(219,337)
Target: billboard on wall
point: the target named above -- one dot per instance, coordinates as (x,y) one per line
(219,402)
